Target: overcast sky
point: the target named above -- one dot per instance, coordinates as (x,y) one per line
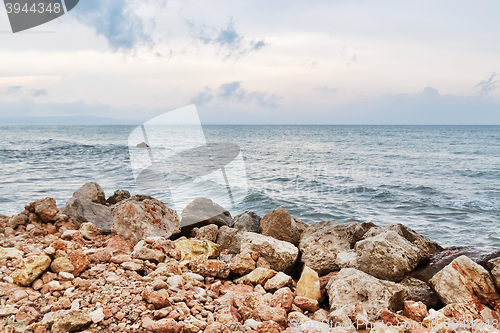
(259,62)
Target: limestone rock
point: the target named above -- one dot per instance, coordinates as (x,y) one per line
(84,211)
(279,281)
(62,264)
(7,253)
(208,232)
(192,249)
(31,269)
(140,217)
(209,267)
(90,231)
(229,239)
(143,251)
(283,298)
(65,321)
(280,225)
(257,276)
(248,221)
(463,281)
(415,310)
(308,285)
(321,242)
(351,285)
(495,270)
(280,254)
(387,256)
(242,264)
(118,196)
(201,212)
(46,209)
(419,291)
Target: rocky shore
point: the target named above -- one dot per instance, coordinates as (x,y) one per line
(131,264)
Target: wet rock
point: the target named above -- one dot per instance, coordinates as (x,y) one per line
(463,281)
(387,256)
(308,285)
(84,211)
(415,310)
(10,253)
(140,217)
(257,276)
(69,321)
(248,221)
(46,209)
(280,225)
(420,291)
(90,231)
(280,254)
(209,267)
(30,269)
(279,281)
(92,192)
(350,285)
(144,252)
(118,196)
(242,264)
(192,249)
(321,242)
(201,212)
(229,239)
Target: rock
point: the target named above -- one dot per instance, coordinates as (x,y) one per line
(464,312)
(208,232)
(69,321)
(27,313)
(7,253)
(434,319)
(321,242)
(201,212)
(229,239)
(257,276)
(384,328)
(143,252)
(419,291)
(167,325)
(387,256)
(479,254)
(301,225)
(132,266)
(118,196)
(351,285)
(46,209)
(270,327)
(30,269)
(359,317)
(415,310)
(280,225)
(62,264)
(17,220)
(279,281)
(90,231)
(283,298)
(118,246)
(495,270)
(242,264)
(84,211)
(158,298)
(140,217)
(192,249)
(96,316)
(275,314)
(280,254)
(308,285)
(306,303)
(248,221)
(463,281)
(92,192)
(209,267)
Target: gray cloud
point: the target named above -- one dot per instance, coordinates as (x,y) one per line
(23,91)
(202,98)
(488,85)
(325,90)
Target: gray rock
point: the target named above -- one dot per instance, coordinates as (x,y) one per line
(280,254)
(229,239)
(248,221)
(91,191)
(208,232)
(387,256)
(280,225)
(118,196)
(201,212)
(350,286)
(17,220)
(84,211)
(321,242)
(140,217)
(419,291)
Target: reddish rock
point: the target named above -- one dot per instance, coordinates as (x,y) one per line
(389,318)
(118,245)
(306,304)
(46,209)
(464,312)
(359,317)
(158,298)
(216,328)
(166,325)
(275,314)
(209,267)
(79,260)
(415,310)
(323,281)
(270,327)
(103,255)
(227,314)
(27,313)
(283,298)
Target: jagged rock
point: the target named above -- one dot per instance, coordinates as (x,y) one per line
(321,242)
(144,252)
(282,298)
(209,267)
(192,249)
(306,304)
(65,321)
(495,270)
(280,254)
(229,239)
(463,281)
(463,312)
(387,256)
(351,285)
(62,264)
(208,232)
(242,264)
(308,285)
(118,196)
(10,253)
(201,212)
(279,281)
(359,317)
(280,225)
(434,319)
(248,221)
(90,231)
(17,220)
(140,217)
(419,291)
(31,269)
(257,276)
(415,310)
(45,208)
(92,192)
(301,225)
(84,211)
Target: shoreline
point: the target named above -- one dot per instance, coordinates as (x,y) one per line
(125,264)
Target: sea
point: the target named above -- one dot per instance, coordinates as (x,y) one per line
(442,181)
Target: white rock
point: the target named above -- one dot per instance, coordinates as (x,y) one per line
(96,315)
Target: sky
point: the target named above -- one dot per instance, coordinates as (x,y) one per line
(257,62)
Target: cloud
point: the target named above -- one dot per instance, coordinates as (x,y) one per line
(325,90)
(202,98)
(488,85)
(115,20)
(23,91)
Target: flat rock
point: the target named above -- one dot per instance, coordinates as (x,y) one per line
(280,225)
(257,276)
(84,211)
(247,221)
(280,280)
(280,254)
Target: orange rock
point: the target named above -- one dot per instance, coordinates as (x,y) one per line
(283,298)
(267,313)
(306,304)
(118,245)
(415,310)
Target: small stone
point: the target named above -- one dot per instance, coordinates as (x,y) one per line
(133,266)
(62,264)
(415,310)
(257,276)
(280,280)
(66,276)
(306,304)
(283,298)
(10,253)
(308,285)
(242,264)
(69,321)
(97,316)
(90,231)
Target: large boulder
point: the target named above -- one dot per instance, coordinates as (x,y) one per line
(92,192)
(82,211)
(280,254)
(141,216)
(280,225)
(30,269)
(494,265)
(350,285)
(229,239)
(387,256)
(201,212)
(46,209)
(463,281)
(118,196)
(321,242)
(248,221)
(419,291)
